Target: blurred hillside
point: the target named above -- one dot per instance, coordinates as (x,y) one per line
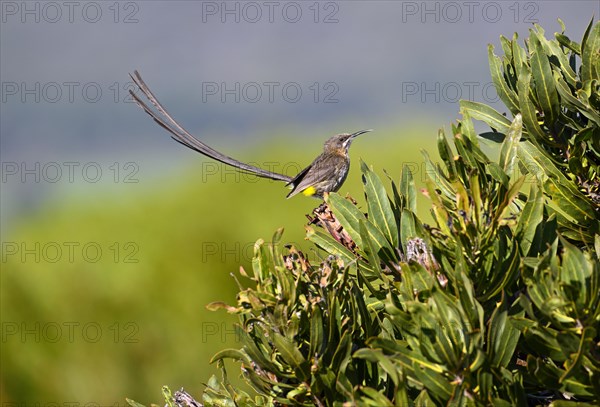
(63,69)
(104,290)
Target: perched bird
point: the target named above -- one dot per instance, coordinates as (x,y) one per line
(328,171)
(325,174)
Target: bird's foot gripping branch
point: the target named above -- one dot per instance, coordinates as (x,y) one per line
(495,302)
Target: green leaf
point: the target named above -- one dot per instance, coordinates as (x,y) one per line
(586,342)
(493,136)
(506,47)
(407,189)
(572,202)
(486,114)
(446,154)
(449,328)
(254,352)
(440,214)
(290,353)
(379,207)
(574,103)
(544,81)
(370,248)
(519,57)
(543,341)
(260,262)
(531,216)
(437,384)
(134,403)
(505,207)
(437,177)
(504,280)
(329,244)
(366,323)
(341,357)
(529,112)
(497,173)
(407,227)
(317,334)
(375,398)
(470,152)
(576,274)
(383,361)
(556,52)
(471,306)
(404,356)
(349,216)
(590,56)
(570,403)
(475,196)
(508,152)
(234,354)
(548,375)
(502,337)
(467,128)
(506,94)
(424,400)
(567,43)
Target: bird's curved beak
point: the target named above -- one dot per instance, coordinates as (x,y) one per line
(358,133)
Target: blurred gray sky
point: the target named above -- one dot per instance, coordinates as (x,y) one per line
(231,72)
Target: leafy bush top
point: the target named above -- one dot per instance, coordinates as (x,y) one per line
(496,303)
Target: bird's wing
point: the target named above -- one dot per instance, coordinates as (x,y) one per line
(297,181)
(311,176)
(181,135)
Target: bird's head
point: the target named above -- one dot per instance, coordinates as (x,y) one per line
(341,142)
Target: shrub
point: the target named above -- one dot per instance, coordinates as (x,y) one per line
(495,303)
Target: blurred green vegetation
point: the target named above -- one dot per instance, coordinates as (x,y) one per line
(99,331)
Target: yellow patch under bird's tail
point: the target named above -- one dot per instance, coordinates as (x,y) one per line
(310,191)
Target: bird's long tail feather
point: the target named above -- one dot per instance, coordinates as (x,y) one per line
(181,135)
